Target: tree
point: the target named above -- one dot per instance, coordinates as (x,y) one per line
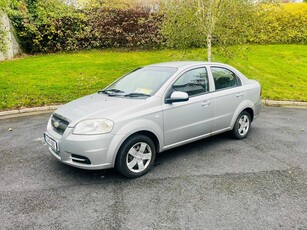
(197,23)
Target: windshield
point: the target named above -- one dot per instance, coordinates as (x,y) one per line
(145,81)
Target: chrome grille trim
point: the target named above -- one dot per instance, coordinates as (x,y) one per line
(58,123)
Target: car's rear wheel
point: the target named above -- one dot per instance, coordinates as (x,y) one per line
(136,156)
(242,125)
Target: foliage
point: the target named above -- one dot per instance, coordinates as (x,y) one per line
(117,4)
(59,78)
(45,26)
(124,28)
(58,25)
(181,27)
(286,24)
(51,25)
(3,34)
(206,22)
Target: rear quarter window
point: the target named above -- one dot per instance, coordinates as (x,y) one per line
(224,78)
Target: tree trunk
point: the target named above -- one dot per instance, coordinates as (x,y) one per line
(209,47)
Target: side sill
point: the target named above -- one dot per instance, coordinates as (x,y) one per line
(195,139)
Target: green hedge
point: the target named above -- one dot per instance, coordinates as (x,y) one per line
(51,25)
(48,26)
(286,24)
(136,27)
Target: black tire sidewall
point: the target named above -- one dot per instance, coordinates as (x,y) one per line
(120,163)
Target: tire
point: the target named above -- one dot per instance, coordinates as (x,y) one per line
(242,126)
(136,156)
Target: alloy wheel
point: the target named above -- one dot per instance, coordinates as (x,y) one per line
(243,125)
(139,157)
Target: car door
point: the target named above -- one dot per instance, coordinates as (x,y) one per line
(184,121)
(228,95)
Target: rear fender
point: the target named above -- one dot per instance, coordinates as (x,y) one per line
(244,105)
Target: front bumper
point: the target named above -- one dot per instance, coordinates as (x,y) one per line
(83,151)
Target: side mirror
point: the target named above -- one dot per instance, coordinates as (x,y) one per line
(177,96)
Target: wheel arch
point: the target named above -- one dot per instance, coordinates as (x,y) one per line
(147,133)
(247,106)
(143,127)
(250,112)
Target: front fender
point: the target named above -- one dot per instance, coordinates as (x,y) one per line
(129,129)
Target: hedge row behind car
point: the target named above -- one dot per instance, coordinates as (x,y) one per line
(50,26)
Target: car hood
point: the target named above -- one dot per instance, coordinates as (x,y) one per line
(98,106)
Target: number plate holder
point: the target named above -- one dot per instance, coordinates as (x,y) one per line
(52,143)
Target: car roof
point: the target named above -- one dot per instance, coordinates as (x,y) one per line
(182,65)
(185,64)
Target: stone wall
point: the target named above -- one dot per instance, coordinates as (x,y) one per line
(12,45)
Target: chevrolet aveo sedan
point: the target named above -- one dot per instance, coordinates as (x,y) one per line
(150,110)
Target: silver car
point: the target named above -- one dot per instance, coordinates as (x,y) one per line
(150,110)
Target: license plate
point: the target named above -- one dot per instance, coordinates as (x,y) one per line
(52,143)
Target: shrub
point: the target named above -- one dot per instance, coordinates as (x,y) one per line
(124,28)
(49,26)
(52,25)
(286,23)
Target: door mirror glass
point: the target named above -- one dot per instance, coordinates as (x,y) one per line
(177,96)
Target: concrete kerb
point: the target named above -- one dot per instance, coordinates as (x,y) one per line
(28,111)
(36,110)
(284,103)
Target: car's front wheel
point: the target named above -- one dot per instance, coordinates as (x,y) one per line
(136,156)
(242,125)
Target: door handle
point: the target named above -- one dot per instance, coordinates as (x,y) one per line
(206,103)
(239,94)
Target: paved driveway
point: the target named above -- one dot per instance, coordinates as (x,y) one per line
(216,183)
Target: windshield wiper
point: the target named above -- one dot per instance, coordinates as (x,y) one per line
(137,95)
(111,92)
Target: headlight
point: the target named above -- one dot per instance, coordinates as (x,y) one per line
(94,126)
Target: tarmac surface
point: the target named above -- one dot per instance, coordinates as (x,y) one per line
(216,183)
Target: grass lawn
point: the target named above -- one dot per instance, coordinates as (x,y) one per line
(58,78)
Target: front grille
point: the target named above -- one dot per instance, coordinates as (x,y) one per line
(59,124)
(80,159)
